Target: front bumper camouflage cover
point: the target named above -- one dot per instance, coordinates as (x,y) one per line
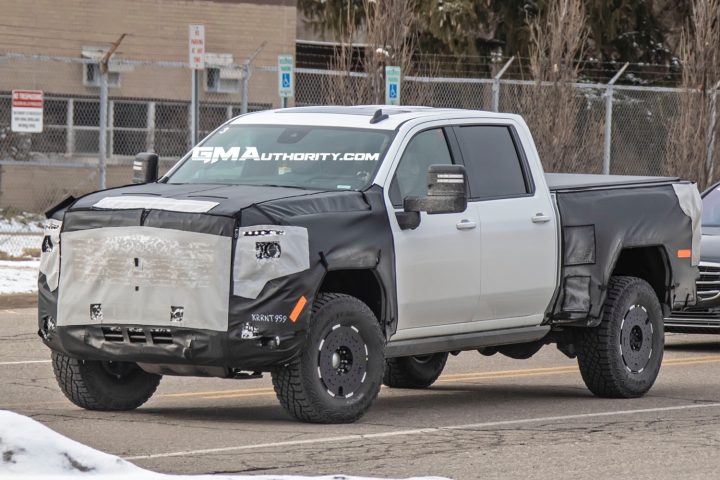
(200,280)
(160,295)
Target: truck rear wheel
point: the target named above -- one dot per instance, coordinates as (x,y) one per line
(414,372)
(107,386)
(621,357)
(338,374)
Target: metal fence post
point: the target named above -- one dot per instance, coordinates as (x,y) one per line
(712,130)
(245,83)
(102,135)
(246,77)
(496,85)
(194,108)
(608,120)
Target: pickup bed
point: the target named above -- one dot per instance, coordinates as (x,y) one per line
(339,248)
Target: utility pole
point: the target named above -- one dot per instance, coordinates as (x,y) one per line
(102,135)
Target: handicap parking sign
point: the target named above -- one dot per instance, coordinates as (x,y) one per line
(393,90)
(393,79)
(286,82)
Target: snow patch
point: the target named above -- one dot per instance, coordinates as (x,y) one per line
(30,450)
(18,276)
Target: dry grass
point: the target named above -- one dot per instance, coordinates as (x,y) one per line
(567,134)
(27,254)
(387,30)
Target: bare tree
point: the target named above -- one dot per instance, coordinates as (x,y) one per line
(691,149)
(388,35)
(567,132)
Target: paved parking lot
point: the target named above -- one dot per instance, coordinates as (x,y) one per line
(485,418)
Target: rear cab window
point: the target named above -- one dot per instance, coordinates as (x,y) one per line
(495,164)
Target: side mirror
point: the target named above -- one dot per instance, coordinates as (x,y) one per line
(447,193)
(145,168)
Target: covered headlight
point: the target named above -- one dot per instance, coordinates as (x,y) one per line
(50,253)
(267,252)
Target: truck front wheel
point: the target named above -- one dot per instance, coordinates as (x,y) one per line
(414,372)
(107,386)
(338,374)
(621,357)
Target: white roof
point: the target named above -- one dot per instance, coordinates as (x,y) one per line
(358,116)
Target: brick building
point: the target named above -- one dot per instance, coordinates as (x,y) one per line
(54,45)
(149,100)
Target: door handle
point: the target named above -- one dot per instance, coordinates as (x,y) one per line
(540,218)
(465,224)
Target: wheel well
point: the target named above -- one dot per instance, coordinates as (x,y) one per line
(361,284)
(648,263)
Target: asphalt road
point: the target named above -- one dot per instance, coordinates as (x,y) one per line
(487,417)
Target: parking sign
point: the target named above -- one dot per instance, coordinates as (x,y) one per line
(392,85)
(286,82)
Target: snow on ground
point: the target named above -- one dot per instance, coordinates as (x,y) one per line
(30,450)
(12,230)
(22,222)
(18,276)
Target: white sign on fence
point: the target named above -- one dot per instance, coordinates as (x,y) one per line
(196,47)
(392,85)
(286,77)
(27,111)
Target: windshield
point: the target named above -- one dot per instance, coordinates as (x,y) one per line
(711,209)
(323,158)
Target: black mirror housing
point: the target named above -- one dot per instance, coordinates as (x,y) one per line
(145,168)
(447,191)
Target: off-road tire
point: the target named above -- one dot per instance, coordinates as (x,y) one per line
(92,385)
(339,324)
(414,372)
(621,357)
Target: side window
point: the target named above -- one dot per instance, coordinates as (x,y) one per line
(425,149)
(493,165)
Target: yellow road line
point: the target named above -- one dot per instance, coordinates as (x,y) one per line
(218,392)
(460,376)
(267,391)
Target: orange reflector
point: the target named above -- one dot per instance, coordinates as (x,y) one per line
(298,308)
(686,253)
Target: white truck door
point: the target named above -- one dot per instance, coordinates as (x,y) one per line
(518,226)
(437,280)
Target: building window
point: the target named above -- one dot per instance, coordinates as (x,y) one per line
(222,80)
(171,129)
(129,128)
(91,76)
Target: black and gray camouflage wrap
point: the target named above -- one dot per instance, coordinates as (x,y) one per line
(599,222)
(317,232)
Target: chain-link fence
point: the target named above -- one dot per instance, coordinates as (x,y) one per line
(149,109)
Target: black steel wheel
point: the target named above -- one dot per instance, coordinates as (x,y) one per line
(621,357)
(414,372)
(338,374)
(342,361)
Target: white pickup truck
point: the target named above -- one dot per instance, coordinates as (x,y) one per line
(339,248)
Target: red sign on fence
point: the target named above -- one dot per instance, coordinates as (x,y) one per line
(27,111)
